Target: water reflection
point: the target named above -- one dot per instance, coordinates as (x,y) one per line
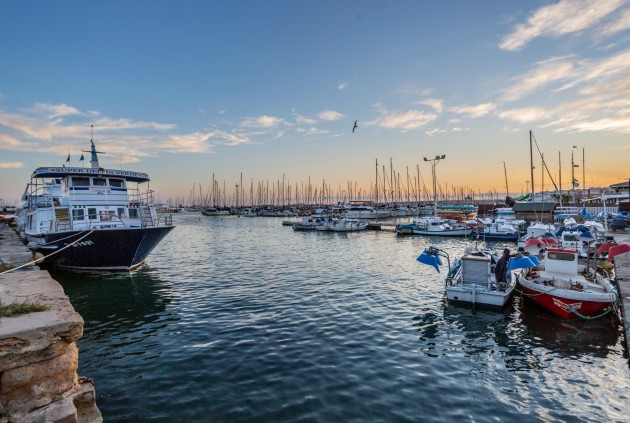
(569,338)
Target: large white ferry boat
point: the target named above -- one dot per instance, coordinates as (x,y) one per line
(92,218)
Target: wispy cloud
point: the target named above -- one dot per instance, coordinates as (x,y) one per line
(621,23)
(11,165)
(434,131)
(342,86)
(544,73)
(303,120)
(564,17)
(53,111)
(476,111)
(525,115)
(435,103)
(411,119)
(262,122)
(330,115)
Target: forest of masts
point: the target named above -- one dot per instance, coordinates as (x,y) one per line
(390,187)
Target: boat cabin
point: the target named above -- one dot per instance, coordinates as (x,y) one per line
(561,261)
(477,269)
(83,198)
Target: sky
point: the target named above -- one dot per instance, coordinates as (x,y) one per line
(271,90)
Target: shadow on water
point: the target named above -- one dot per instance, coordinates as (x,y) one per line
(126,316)
(569,338)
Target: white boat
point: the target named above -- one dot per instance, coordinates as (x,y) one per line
(361,212)
(92,218)
(308,223)
(499,229)
(563,289)
(476,278)
(434,226)
(342,225)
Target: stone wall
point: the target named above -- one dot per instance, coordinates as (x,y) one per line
(39,356)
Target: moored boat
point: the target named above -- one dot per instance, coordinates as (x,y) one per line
(477,278)
(562,289)
(92,218)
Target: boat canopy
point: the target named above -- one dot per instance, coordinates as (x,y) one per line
(62,172)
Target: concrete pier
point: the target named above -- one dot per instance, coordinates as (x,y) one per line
(622,272)
(38,354)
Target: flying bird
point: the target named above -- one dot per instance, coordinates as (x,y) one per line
(355,126)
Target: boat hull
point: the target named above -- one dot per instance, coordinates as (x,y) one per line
(563,307)
(108,249)
(479,296)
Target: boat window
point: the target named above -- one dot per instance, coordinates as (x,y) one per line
(121,213)
(561,256)
(101,182)
(92,214)
(570,238)
(80,181)
(133,213)
(118,183)
(106,216)
(78,214)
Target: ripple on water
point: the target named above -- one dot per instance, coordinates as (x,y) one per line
(245,320)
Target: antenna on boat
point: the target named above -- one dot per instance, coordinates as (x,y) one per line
(94,159)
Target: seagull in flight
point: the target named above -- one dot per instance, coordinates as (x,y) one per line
(355,126)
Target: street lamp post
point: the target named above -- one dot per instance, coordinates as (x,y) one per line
(434,162)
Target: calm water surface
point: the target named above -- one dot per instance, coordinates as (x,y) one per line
(241,319)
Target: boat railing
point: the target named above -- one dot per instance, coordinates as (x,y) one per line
(140,198)
(168,219)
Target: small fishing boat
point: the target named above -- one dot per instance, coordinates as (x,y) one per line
(477,278)
(566,288)
(342,225)
(499,229)
(434,226)
(308,223)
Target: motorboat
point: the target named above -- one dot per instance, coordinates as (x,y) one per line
(566,288)
(434,226)
(341,225)
(92,218)
(478,277)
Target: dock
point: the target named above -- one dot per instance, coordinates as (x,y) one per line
(622,273)
(38,354)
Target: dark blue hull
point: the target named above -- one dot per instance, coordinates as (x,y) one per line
(106,249)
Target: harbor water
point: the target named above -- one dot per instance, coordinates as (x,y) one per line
(244,320)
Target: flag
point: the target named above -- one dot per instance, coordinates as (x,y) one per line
(576,184)
(82,158)
(68,159)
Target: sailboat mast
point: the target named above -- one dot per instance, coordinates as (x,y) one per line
(507,190)
(531,162)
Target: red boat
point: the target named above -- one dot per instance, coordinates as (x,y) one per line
(561,288)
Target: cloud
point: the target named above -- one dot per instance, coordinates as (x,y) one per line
(11,165)
(617,25)
(545,72)
(53,111)
(479,110)
(555,20)
(610,67)
(411,119)
(525,115)
(435,103)
(262,122)
(342,86)
(330,115)
(303,120)
(434,131)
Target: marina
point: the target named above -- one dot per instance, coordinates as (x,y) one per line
(326,326)
(297,212)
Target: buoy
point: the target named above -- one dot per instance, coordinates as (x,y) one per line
(38,257)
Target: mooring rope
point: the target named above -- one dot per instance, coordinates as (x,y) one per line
(53,253)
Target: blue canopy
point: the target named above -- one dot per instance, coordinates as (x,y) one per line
(431,259)
(524,262)
(587,236)
(534,259)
